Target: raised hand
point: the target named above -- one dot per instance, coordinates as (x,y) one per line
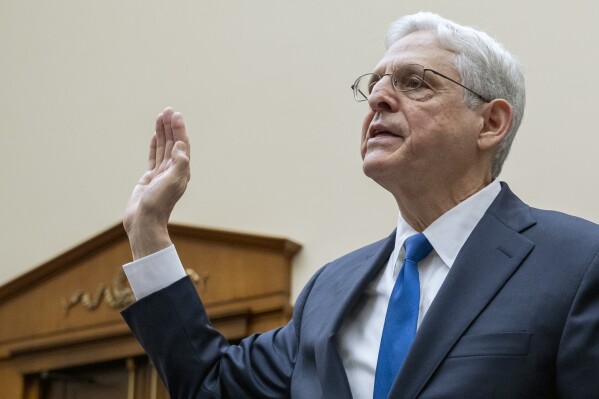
(160,187)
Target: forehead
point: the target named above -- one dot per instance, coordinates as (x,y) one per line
(420,47)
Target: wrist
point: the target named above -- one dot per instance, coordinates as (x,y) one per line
(148,239)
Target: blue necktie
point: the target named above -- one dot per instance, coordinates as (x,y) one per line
(402,316)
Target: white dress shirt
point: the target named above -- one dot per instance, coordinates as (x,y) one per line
(360,336)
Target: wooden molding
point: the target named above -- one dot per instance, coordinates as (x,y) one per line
(116,233)
(65,312)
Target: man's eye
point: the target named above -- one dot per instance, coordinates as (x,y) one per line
(411,82)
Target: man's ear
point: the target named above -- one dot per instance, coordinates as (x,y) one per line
(497,122)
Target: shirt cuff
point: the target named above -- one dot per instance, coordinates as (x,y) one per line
(154,272)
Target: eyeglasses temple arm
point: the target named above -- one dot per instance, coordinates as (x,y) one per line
(459,84)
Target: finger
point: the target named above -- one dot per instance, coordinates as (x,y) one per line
(160,139)
(179,132)
(152,156)
(167,115)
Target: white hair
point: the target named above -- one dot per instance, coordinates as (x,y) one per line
(484,65)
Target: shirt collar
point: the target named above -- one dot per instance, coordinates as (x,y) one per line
(450,231)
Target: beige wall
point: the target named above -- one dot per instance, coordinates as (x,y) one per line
(264,87)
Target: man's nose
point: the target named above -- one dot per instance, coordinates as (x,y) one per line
(384,97)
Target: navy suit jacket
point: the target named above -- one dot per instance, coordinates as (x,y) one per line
(517,317)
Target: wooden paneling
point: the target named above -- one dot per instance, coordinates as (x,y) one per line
(11,382)
(65,313)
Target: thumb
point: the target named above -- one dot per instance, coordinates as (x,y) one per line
(180,153)
(180,147)
(179,157)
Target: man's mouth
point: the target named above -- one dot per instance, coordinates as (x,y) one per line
(381,131)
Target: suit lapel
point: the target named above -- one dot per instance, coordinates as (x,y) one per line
(490,256)
(350,280)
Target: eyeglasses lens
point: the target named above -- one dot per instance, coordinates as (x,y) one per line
(405,78)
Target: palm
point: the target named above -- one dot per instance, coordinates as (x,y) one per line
(153,194)
(165,181)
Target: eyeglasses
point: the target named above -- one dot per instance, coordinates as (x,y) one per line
(407,78)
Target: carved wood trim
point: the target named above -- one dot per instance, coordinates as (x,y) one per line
(244,280)
(116,233)
(118,295)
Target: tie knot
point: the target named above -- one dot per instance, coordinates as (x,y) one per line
(417,247)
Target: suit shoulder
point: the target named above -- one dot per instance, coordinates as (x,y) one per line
(561,236)
(554,222)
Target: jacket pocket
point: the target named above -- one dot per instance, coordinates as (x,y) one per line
(496,344)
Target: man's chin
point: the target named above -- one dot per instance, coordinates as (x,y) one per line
(375,168)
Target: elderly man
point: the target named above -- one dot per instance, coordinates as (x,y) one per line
(475,295)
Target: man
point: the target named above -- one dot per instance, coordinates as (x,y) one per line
(494,299)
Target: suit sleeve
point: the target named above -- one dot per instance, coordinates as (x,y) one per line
(577,364)
(195,361)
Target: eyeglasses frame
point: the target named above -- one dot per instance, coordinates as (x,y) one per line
(355,88)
